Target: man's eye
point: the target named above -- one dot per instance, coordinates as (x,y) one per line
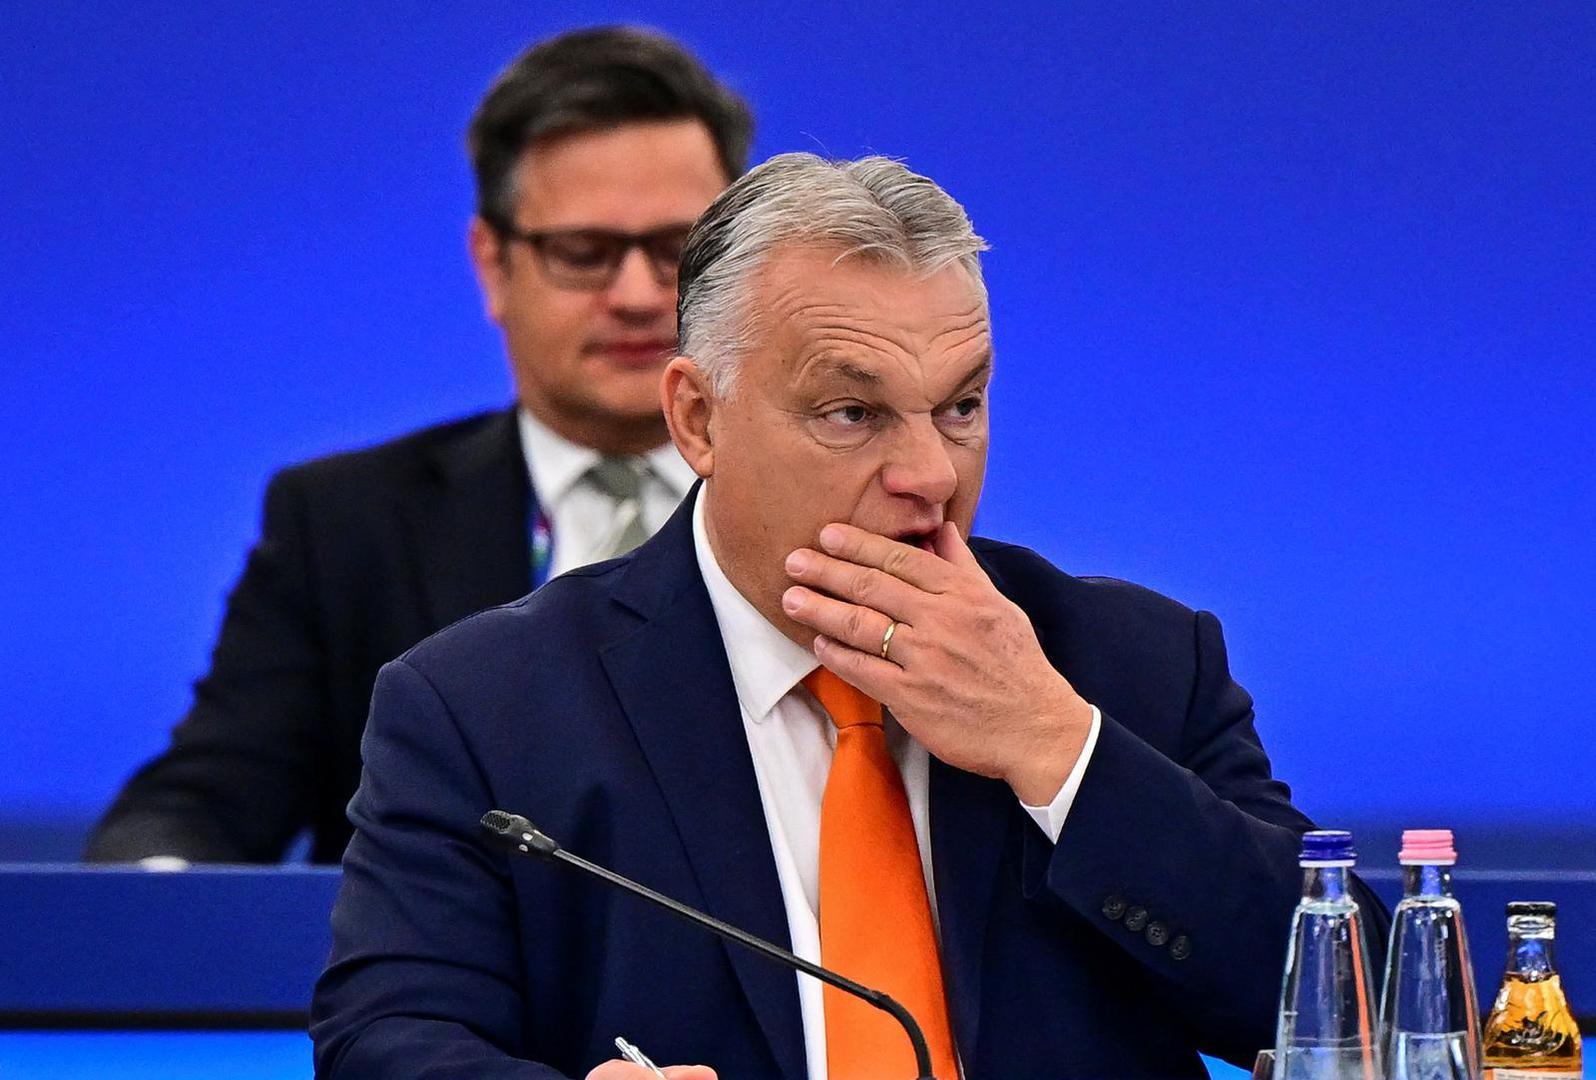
(847,415)
(579,253)
(964,408)
(668,247)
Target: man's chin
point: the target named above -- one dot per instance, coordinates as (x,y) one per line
(626,404)
(619,423)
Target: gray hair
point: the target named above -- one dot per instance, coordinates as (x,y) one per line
(873,208)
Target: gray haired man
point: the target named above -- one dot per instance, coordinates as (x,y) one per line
(1032,807)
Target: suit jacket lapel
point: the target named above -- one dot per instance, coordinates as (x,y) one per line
(469,522)
(970,821)
(970,818)
(675,686)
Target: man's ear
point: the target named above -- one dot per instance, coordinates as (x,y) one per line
(689,407)
(487,257)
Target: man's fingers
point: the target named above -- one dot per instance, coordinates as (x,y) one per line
(860,627)
(918,567)
(876,677)
(617,1069)
(862,585)
(688,1072)
(951,548)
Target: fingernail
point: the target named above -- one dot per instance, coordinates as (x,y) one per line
(831,537)
(797,562)
(791,600)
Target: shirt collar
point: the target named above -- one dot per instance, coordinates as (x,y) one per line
(765,663)
(671,468)
(555,463)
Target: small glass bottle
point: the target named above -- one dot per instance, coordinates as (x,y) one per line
(1429,1016)
(1326,1026)
(1531,1034)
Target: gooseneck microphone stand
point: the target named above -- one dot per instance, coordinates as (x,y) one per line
(518,836)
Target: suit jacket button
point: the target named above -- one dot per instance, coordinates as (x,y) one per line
(1113,907)
(1157,934)
(1135,919)
(1180,948)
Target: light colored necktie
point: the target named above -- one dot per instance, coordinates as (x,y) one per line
(875,917)
(621,478)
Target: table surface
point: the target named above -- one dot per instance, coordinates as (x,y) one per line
(85,949)
(155,1055)
(206,1055)
(194,1055)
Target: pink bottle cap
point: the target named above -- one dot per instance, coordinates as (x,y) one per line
(1432,846)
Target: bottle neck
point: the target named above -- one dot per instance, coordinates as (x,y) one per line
(1326,883)
(1426,880)
(1530,953)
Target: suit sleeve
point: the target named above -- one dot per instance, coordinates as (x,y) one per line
(1190,864)
(424,976)
(236,782)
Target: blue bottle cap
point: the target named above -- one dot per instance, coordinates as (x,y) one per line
(1327,846)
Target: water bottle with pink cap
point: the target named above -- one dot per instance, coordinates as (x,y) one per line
(1429,1015)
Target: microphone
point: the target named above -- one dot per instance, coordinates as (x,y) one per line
(518,836)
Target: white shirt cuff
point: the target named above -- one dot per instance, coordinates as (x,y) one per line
(1050,818)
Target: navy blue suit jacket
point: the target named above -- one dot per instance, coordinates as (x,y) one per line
(602,707)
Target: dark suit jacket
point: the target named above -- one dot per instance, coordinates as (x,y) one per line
(361,555)
(603,708)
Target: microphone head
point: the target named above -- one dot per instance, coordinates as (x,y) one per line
(517,835)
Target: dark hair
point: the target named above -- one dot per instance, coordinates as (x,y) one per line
(594,79)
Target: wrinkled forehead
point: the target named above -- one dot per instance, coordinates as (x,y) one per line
(867,314)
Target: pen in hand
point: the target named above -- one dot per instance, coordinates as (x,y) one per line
(636,1056)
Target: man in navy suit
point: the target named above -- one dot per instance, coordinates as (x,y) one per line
(1109,864)
(594,152)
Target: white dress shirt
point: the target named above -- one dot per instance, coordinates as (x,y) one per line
(791,741)
(583,519)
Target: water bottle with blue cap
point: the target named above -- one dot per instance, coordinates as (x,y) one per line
(1327,1026)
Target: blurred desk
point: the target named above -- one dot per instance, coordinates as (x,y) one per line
(107,947)
(127,974)
(132,975)
(155,1055)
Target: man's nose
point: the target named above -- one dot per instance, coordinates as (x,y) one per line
(636,291)
(919,464)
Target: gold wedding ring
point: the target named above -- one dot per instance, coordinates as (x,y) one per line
(886,640)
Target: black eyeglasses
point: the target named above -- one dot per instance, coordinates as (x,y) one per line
(590,258)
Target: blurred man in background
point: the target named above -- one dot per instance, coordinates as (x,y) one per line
(593,153)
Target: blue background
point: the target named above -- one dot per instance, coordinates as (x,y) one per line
(1293,305)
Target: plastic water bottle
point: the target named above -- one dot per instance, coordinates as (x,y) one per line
(1429,1015)
(1327,1024)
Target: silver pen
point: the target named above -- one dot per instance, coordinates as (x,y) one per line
(636,1056)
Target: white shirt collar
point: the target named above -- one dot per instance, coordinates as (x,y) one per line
(765,663)
(669,465)
(555,463)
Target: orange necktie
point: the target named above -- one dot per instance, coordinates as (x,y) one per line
(875,919)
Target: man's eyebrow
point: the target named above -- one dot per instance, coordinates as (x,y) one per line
(978,374)
(832,366)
